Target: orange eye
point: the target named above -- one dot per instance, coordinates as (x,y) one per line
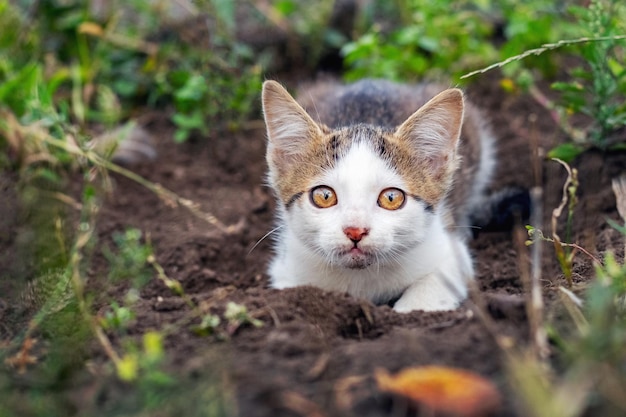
(391,199)
(323,197)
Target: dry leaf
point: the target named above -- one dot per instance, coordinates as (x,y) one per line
(23,358)
(443,390)
(619,188)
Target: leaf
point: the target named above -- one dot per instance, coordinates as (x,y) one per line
(91,28)
(225,10)
(443,390)
(153,345)
(194,89)
(285,7)
(573,87)
(127,368)
(615,225)
(193,121)
(181,135)
(566,152)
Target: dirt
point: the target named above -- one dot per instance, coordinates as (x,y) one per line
(316,352)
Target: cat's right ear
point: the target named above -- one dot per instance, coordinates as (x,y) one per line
(289,127)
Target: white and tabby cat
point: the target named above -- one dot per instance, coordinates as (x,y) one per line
(375,183)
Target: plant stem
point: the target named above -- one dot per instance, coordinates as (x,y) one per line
(542,49)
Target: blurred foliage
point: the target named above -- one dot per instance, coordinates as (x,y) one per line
(597,85)
(129,261)
(96,66)
(439,40)
(450,38)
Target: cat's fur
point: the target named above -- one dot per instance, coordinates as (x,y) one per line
(359,140)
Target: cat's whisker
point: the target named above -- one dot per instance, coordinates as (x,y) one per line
(466,227)
(264,237)
(395,255)
(314,105)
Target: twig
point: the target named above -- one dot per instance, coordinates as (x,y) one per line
(78,284)
(116,39)
(170,283)
(542,49)
(68,144)
(532,278)
(619,189)
(535,309)
(571,181)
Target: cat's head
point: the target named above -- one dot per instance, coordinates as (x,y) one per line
(361,195)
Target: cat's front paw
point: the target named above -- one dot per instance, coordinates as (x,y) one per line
(431,294)
(429,305)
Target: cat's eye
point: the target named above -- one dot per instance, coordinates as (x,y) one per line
(323,197)
(391,199)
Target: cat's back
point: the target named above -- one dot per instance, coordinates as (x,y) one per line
(376,102)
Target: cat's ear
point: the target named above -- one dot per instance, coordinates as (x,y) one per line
(289,126)
(432,133)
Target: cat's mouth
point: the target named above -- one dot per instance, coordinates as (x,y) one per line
(356,258)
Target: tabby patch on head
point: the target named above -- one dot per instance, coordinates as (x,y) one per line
(358,201)
(422,150)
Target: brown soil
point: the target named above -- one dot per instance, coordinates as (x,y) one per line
(317,352)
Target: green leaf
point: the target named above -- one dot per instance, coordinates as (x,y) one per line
(153,345)
(566,152)
(193,90)
(128,367)
(429,44)
(573,86)
(181,135)
(615,225)
(225,10)
(285,7)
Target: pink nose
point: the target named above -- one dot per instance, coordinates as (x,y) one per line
(355,234)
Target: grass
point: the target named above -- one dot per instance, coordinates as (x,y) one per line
(65,76)
(595,90)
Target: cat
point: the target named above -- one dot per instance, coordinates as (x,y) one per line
(376,183)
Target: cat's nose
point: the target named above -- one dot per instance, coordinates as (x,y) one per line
(355,234)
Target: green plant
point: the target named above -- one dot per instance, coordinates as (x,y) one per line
(130,260)
(592,352)
(145,360)
(237,315)
(597,88)
(587,374)
(417,48)
(209,325)
(308,27)
(564,251)
(102,66)
(449,38)
(117,318)
(212,92)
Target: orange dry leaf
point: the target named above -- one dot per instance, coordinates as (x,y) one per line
(443,390)
(23,358)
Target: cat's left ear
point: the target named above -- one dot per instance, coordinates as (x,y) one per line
(433,131)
